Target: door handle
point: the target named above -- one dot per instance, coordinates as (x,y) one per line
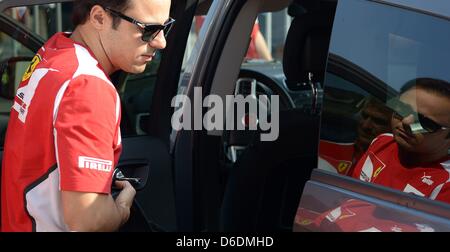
(134,171)
(118,176)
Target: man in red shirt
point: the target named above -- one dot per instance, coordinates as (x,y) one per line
(415,158)
(342,157)
(63,139)
(258,49)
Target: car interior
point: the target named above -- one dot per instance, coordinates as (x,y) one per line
(261,189)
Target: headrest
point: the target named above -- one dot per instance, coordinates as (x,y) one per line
(306,47)
(295,10)
(298,7)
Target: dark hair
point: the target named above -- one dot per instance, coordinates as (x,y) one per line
(436,86)
(82,8)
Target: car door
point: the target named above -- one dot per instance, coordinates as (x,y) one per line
(389,53)
(145,99)
(201,178)
(259,192)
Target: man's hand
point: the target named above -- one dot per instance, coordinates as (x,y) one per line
(95,211)
(125,199)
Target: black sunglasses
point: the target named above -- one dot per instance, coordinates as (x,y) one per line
(149,31)
(422,124)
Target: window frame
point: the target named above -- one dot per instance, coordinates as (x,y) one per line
(383,196)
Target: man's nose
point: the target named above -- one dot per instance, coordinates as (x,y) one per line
(159,42)
(407,121)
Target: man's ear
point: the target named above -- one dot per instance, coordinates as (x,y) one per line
(98,17)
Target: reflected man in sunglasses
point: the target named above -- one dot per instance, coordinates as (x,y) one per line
(415,157)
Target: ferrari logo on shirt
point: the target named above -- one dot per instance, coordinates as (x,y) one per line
(34,62)
(343,166)
(305,222)
(371,168)
(377,171)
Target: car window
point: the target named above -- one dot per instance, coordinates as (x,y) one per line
(196,25)
(265,50)
(266,26)
(9,47)
(12,51)
(386,98)
(268,37)
(261,75)
(343,101)
(43,20)
(14,58)
(135,90)
(136,94)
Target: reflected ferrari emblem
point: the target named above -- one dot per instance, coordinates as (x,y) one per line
(34,62)
(377,171)
(343,166)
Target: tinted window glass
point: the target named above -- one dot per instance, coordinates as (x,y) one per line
(386,108)
(136,93)
(14,58)
(9,47)
(392,44)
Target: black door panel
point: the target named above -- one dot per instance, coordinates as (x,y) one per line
(148,155)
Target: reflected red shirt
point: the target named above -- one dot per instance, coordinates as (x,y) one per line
(360,216)
(338,156)
(381,165)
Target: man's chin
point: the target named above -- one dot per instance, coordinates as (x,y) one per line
(137,69)
(402,144)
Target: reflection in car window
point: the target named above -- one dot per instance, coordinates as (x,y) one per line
(400,46)
(13,63)
(351,119)
(12,48)
(409,53)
